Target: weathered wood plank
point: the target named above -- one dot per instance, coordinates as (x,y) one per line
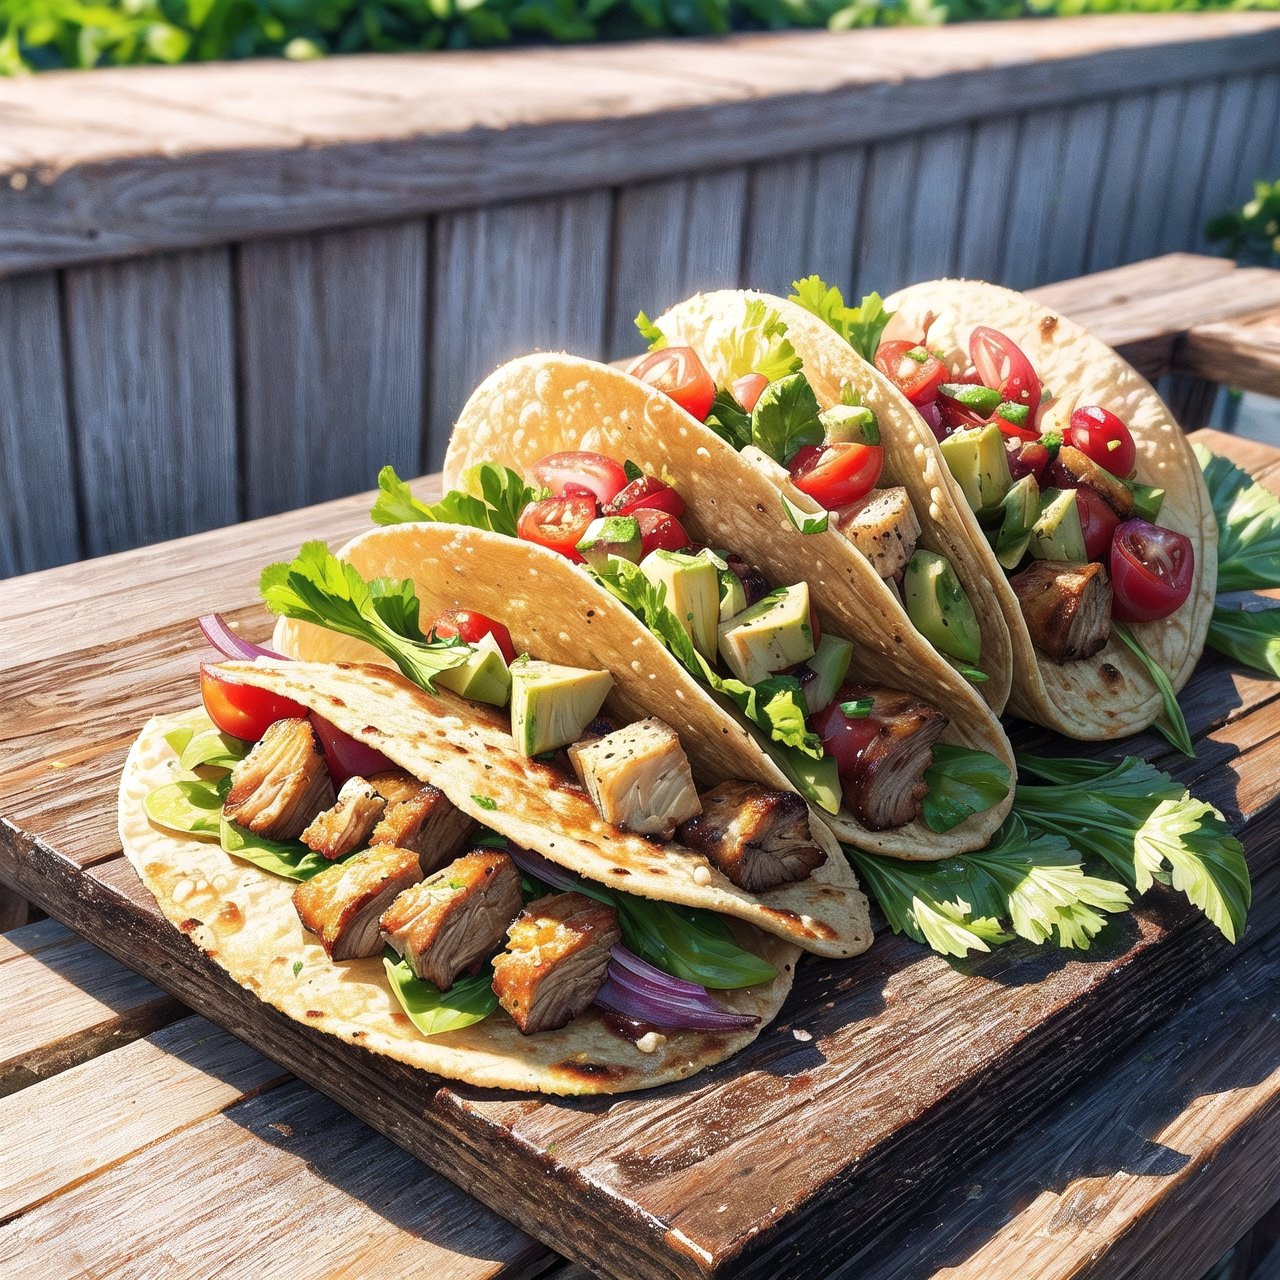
(38,509)
(1080,182)
(15,910)
(539,123)
(1242,353)
(1221,187)
(151,358)
(671,239)
(508,280)
(932,229)
(1155,175)
(1199,108)
(332,340)
(1260,154)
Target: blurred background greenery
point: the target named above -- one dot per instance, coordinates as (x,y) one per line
(37,35)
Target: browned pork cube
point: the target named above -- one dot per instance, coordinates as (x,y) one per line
(556,960)
(1067,607)
(348,825)
(455,918)
(281,784)
(883,526)
(757,837)
(422,818)
(342,904)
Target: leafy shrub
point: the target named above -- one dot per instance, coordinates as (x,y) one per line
(44,34)
(1251,233)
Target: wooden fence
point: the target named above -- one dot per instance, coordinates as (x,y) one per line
(230,290)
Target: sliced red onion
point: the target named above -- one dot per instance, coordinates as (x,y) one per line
(669,1013)
(534,864)
(643,971)
(345,756)
(219,634)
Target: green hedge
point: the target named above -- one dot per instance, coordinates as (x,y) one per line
(45,34)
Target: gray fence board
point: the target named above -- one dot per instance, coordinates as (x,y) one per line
(1037,178)
(932,229)
(1196,131)
(39,526)
(332,343)
(1130,118)
(1260,155)
(1078,181)
(1221,175)
(883,251)
(1158,162)
(512,279)
(153,392)
(993,149)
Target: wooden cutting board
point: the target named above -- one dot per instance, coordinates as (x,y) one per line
(881,1080)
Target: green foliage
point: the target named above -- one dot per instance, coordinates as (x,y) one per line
(1251,233)
(39,35)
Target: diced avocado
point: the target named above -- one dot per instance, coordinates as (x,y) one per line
(1057,534)
(693,594)
(830,665)
(772,635)
(972,395)
(849,424)
(484,677)
(1020,510)
(817,780)
(938,607)
(1147,500)
(733,595)
(551,705)
(979,463)
(611,536)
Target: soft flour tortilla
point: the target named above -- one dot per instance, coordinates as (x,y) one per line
(543,404)
(710,323)
(466,750)
(243,919)
(1109,695)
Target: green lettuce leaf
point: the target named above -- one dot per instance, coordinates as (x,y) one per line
(785,418)
(492,497)
(804,520)
(288,858)
(1250,637)
(758,344)
(861,327)
(729,420)
(471,999)
(1248,525)
(1172,724)
(961,783)
(653,336)
(192,806)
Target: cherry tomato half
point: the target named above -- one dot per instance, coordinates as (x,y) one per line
(678,373)
(345,756)
(1104,438)
(917,376)
(660,531)
(746,389)
(558,523)
(1011,430)
(1151,571)
(1097,522)
(843,738)
(575,471)
(648,491)
(242,710)
(1002,365)
(471,627)
(837,474)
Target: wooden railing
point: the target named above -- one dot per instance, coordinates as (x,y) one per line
(230,290)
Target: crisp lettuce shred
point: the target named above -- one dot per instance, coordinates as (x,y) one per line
(803,520)
(654,338)
(785,418)
(492,497)
(319,588)
(861,327)
(758,343)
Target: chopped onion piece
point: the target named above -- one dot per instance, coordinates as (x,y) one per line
(228,643)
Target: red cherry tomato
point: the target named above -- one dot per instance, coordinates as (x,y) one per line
(242,710)
(1002,365)
(575,472)
(648,491)
(746,389)
(1151,571)
(1027,458)
(917,379)
(837,474)
(660,531)
(558,523)
(345,756)
(1012,431)
(1101,436)
(471,627)
(1097,522)
(678,373)
(844,739)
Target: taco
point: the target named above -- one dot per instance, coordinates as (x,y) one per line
(761,678)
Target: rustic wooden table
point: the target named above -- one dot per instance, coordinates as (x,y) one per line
(142,1140)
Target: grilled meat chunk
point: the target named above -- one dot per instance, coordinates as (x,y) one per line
(888,785)
(883,526)
(394,785)
(757,837)
(347,825)
(1072,468)
(425,821)
(638,778)
(342,904)
(556,959)
(281,784)
(456,918)
(1067,607)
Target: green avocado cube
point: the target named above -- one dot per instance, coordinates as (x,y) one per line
(692,593)
(551,705)
(775,633)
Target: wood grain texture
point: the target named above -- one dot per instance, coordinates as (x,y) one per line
(164,165)
(38,519)
(835,1124)
(1081,185)
(1154,175)
(1242,353)
(332,333)
(1129,119)
(882,259)
(1037,172)
(1260,152)
(1225,184)
(671,239)
(15,910)
(932,229)
(984,214)
(507,280)
(151,360)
